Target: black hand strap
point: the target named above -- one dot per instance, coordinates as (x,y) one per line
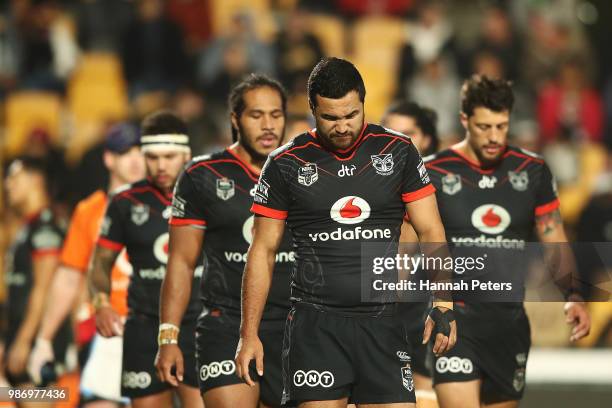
(442,320)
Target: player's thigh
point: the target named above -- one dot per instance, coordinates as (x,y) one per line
(161,399)
(422,382)
(461,394)
(101,404)
(190,396)
(391,405)
(505,404)
(339,403)
(229,396)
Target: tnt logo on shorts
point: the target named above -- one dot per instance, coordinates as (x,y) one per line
(133,379)
(217,368)
(313,378)
(454,365)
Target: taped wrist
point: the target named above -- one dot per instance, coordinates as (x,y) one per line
(442,320)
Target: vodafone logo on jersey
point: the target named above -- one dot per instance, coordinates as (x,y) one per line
(491,219)
(160,248)
(350,210)
(247,229)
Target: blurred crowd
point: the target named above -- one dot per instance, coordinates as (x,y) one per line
(71,69)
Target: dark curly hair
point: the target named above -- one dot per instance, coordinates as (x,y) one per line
(480,91)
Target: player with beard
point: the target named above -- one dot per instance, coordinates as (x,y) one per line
(418,123)
(137,219)
(340,186)
(211,212)
(125,164)
(486,188)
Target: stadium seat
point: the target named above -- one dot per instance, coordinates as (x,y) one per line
(331,32)
(28,110)
(378,39)
(96,94)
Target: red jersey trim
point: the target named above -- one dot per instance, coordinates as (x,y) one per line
(108,244)
(547,208)
(245,164)
(420,193)
(39,253)
(268,212)
(179,222)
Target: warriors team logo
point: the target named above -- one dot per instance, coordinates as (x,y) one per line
(519,180)
(350,210)
(451,184)
(140,214)
(407,379)
(308,174)
(382,163)
(491,219)
(225,188)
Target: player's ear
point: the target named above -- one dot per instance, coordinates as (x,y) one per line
(464,120)
(109,159)
(234,119)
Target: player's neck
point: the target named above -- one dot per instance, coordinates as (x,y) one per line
(34,204)
(245,156)
(115,182)
(466,150)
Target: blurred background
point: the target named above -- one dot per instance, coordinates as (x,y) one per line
(71,69)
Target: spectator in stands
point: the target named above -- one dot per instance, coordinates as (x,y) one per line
(297,52)
(436,85)
(153,51)
(101,23)
(428,38)
(570,105)
(202,127)
(497,38)
(228,58)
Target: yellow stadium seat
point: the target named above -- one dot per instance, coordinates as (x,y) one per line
(96,95)
(29,110)
(331,32)
(378,38)
(380,86)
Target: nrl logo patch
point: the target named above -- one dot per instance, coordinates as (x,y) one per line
(225,188)
(382,163)
(407,380)
(451,183)
(308,174)
(519,180)
(140,214)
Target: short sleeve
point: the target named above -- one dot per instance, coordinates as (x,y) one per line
(272,194)
(46,240)
(186,206)
(416,183)
(78,244)
(112,234)
(546,195)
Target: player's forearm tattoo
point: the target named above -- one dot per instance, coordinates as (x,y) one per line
(547,223)
(100,272)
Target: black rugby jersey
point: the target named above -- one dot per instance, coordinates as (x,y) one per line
(137,219)
(215,192)
(493,210)
(39,236)
(335,202)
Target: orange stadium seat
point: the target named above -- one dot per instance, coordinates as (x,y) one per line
(96,94)
(378,38)
(28,110)
(376,43)
(331,32)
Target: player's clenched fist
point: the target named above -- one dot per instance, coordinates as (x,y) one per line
(249,348)
(441,322)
